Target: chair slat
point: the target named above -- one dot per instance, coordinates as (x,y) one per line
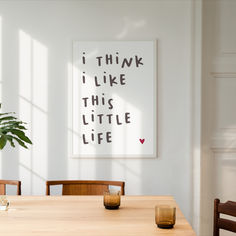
(227,225)
(228,208)
(84,187)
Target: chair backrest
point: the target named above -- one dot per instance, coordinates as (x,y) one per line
(84,187)
(3,184)
(228,208)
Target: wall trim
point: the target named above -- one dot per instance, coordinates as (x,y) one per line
(228,53)
(223,150)
(196,106)
(224,142)
(223,74)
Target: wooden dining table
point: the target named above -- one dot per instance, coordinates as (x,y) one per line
(86,215)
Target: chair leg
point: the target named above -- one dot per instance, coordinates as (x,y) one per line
(47,189)
(216,217)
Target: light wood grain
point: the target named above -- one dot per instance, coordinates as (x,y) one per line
(86,215)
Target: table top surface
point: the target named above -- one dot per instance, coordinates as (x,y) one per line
(86,215)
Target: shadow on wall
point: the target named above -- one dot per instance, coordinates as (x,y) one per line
(43,106)
(116,169)
(30,97)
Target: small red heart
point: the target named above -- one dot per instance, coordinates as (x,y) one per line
(141,140)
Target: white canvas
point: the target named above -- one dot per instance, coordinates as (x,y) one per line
(114,108)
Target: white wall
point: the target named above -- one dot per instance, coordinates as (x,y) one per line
(219,114)
(36,60)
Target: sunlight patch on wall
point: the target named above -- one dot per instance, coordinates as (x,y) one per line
(122,131)
(130,25)
(76,167)
(33,106)
(121,168)
(131,170)
(76,110)
(72,166)
(40,75)
(25,65)
(117,130)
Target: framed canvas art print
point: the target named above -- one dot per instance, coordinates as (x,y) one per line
(114,99)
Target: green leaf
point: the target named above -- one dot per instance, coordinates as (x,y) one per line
(21,127)
(21,135)
(20,142)
(8,118)
(10,126)
(10,139)
(7,113)
(3,142)
(12,122)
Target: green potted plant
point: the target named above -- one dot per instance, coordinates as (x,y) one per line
(11,130)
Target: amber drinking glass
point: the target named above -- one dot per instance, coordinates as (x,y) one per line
(111,200)
(165,216)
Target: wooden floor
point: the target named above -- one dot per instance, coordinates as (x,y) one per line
(86,215)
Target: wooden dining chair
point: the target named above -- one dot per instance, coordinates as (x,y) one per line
(84,187)
(3,184)
(228,208)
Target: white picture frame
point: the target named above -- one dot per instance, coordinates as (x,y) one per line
(114,99)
